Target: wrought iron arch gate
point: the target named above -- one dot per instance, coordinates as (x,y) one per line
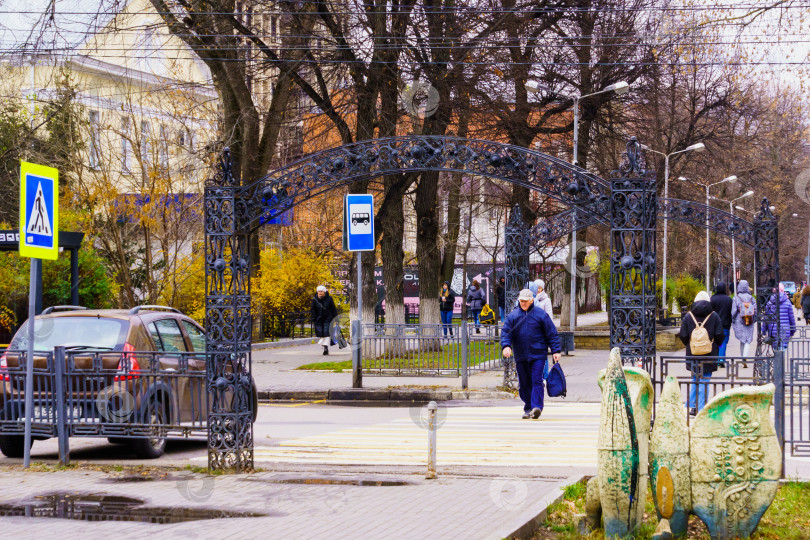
(234,211)
(761,236)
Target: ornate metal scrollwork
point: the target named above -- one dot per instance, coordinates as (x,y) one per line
(632,260)
(766,254)
(516,274)
(228,323)
(332,168)
(719,221)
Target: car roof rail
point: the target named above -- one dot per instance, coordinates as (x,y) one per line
(51,309)
(136,309)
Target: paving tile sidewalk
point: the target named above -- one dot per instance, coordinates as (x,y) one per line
(453,506)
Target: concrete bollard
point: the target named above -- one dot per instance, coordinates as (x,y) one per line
(431,472)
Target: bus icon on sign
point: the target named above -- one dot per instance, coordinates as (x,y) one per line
(361,217)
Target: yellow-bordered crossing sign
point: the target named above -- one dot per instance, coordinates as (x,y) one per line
(39,211)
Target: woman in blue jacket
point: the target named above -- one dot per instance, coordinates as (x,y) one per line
(528,334)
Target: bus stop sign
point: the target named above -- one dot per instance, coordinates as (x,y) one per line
(358,223)
(39,211)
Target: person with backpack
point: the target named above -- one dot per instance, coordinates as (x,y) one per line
(743,313)
(702,333)
(787,322)
(805,302)
(721,304)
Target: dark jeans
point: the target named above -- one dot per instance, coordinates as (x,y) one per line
(447,321)
(727,332)
(530,383)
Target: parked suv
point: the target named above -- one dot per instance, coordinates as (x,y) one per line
(172,392)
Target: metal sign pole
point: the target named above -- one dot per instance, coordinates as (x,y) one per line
(29,361)
(357,334)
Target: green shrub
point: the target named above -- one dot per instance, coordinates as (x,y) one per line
(686,287)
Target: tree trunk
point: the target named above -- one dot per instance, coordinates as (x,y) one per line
(428,254)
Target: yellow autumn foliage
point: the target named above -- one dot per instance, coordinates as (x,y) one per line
(186,288)
(287,281)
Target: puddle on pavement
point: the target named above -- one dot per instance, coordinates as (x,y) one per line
(332,482)
(95,507)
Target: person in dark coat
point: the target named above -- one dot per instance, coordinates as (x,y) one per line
(700,367)
(805,301)
(500,292)
(447,300)
(787,322)
(527,335)
(322,311)
(721,304)
(475,302)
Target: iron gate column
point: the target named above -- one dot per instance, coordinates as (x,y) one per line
(227,323)
(517,275)
(766,256)
(633,210)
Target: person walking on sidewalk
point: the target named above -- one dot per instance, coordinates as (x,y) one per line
(787,323)
(805,301)
(447,300)
(542,301)
(322,311)
(721,304)
(528,334)
(701,315)
(743,316)
(500,293)
(475,302)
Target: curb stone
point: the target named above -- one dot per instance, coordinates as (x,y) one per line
(280,344)
(533,523)
(380,394)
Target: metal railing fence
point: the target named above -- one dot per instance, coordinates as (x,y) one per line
(732,372)
(430,349)
(94,393)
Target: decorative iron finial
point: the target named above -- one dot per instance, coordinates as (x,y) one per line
(633,163)
(765,213)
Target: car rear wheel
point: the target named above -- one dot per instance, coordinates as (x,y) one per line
(152,447)
(13,446)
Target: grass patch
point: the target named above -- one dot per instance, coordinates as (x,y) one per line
(445,356)
(786,519)
(335,367)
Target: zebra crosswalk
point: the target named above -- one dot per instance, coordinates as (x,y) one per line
(564,436)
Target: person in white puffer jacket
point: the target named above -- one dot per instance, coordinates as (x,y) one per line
(542,300)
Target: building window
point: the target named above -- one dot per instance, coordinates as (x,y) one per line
(146,135)
(126,148)
(95,140)
(273,27)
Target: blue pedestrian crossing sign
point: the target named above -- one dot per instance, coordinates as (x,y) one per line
(358,223)
(39,211)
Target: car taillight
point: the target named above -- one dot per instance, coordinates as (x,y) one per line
(128,364)
(4,368)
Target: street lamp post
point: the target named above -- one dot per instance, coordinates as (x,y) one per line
(697,147)
(754,266)
(731,178)
(733,250)
(620,88)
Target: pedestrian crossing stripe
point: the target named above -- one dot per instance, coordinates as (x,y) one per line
(39,211)
(565,435)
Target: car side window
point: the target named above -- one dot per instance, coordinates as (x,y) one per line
(196,336)
(153,331)
(170,335)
